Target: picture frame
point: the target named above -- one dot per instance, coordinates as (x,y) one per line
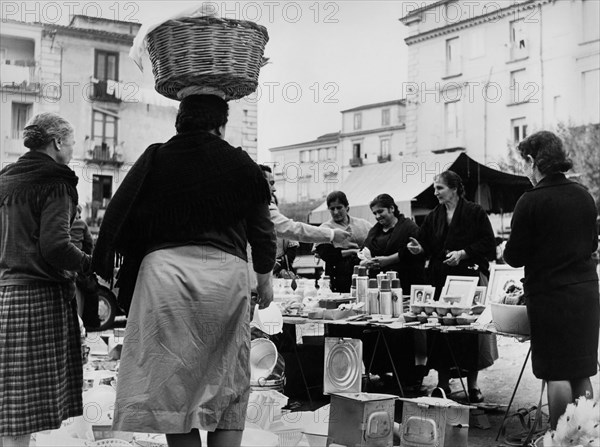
(501,277)
(459,289)
(429,293)
(480,297)
(417,294)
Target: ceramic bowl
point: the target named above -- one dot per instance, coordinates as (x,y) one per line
(448,321)
(416,309)
(477,309)
(457,310)
(409,318)
(429,309)
(422,318)
(466,319)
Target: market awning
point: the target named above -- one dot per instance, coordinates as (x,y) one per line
(409,180)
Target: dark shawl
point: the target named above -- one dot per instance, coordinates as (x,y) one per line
(470,230)
(35,177)
(410,268)
(177,185)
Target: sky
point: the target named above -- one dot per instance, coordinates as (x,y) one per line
(325,56)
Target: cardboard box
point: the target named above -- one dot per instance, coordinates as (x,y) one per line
(432,421)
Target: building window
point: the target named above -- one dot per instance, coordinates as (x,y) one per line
(330,180)
(322,154)
(304,156)
(312,155)
(519,129)
(591,12)
(107,66)
(2,55)
(101,191)
(384,147)
(21,112)
(590,91)
(357,121)
(302,190)
(385,117)
(477,38)
(518,82)
(453,56)
(356,150)
(518,39)
(331,153)
(104,132)
(453,121)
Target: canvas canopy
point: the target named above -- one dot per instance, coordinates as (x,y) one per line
(409,180)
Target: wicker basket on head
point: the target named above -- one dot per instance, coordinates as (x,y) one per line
(226,54)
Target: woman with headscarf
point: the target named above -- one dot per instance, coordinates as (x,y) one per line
(458,239)
(41,373)
(554,235)
(182,219)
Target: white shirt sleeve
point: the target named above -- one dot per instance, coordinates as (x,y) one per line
(298,231)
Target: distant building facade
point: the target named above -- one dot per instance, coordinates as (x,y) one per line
(83,72)
(484,75)
(371,133)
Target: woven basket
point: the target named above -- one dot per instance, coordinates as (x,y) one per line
(226,54)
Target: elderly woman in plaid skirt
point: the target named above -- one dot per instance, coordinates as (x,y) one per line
(40,348)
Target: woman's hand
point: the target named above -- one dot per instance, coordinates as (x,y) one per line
(414,246)
(453,258)
(380,261)
(264,289)
(370,263)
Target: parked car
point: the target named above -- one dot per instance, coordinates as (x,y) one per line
(108,307)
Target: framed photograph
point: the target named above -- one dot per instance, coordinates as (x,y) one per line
(417,294)
(480,295)
(429,293)
(502,278)
(460,289)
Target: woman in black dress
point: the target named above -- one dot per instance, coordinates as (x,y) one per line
(554,234)
(458,239)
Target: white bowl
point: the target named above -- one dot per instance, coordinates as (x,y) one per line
(315,440)
(511,319)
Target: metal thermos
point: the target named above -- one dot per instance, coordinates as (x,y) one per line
(396,298)
(385,298)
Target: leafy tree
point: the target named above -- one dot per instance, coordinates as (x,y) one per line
(582,143)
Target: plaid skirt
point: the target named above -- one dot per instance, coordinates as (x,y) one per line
(41,371)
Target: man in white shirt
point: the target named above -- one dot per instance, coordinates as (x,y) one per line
(299,231)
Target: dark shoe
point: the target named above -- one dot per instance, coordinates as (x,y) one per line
(475,396)
(438,393)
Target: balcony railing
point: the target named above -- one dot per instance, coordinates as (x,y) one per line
(384,158)
(356,161)
(102,155)
(107,90)
(21,75)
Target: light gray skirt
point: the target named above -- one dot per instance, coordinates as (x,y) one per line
(185,358)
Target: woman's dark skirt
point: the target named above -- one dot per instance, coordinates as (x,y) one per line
(564,331)
(41,370)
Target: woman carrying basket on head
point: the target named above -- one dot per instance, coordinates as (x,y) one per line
(182,218)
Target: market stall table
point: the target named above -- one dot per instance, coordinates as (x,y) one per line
(382,326)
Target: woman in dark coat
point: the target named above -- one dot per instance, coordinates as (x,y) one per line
(41,372)
(554,234)
(458,239)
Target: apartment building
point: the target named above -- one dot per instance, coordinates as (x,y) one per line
(370,133)
(83,72)
(484,75)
